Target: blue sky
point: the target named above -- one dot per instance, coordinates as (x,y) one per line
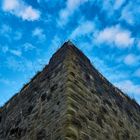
(107,31)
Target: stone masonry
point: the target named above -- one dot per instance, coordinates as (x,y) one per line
(70,100)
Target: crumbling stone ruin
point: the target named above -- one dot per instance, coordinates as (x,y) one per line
(70,100)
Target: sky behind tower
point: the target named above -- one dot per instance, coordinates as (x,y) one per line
(107,31)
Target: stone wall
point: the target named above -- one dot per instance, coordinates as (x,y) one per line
(98,110)
(70,100)
(38,111)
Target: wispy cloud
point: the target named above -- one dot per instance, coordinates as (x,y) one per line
(115,35)
(84,28)
(131,13)
(14,64)
(131,59)
(6,81)
(8,32)
(5,31)
(28,47)
(109,72)
(109,7)
(20,9)
(24,65)
(129,87)
(56,43)
(39,33)
(137,72)
(16,52)
(118,3)
(70,8)
(6,49)
(119,78)
(138,44)
(21,64)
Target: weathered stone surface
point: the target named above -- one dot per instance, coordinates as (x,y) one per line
(70,100)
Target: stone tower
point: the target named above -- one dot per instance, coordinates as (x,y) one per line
(70,100)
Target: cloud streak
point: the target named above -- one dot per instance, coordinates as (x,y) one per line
(70,8)
(137,73)
(39,33)
(6,49)
(83,29)
(131,59)
(131,13)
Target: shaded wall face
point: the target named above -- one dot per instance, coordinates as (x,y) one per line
(38,112)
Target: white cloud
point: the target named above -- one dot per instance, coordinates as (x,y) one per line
(21,64)
(39,33)
(30,14)
(4,29)
(118,78)
(71,7)
(138,44)
(14,64)
(21,9)
(109,7)
(131,13)
(7,49)
(28,47)
(83,29)
(24,65)
(9,5)
(10,33)
(16,52)
(56,43)
(127,15)
(128,87)
(131,59)
(115,35)
(137,72)
(118,3)
(109,73)
(85,46)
